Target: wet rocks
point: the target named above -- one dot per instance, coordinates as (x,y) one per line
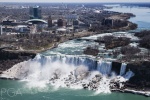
(98,77)
(71,80)
(95,82)
(117,83)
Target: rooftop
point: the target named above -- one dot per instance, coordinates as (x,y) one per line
(35,21)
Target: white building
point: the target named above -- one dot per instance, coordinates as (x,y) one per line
(22,28)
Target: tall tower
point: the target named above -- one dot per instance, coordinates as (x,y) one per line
(1,30)
(35,12)
(61,23)
(50,23)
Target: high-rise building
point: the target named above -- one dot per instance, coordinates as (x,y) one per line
(61,22)
(35,12)
(76,24)
(50,23)
(1,30)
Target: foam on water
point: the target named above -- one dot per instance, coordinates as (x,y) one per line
(94,37)
(67,72)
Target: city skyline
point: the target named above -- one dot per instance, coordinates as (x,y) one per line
(59,1)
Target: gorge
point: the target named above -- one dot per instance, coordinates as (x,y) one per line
(66,67)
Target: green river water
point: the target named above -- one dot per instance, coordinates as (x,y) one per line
(20,90)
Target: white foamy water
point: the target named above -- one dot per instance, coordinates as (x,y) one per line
(72,47)
(67,72)
(95,37)
(116,34)
(104,67)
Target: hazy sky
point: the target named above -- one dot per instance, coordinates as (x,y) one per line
(74,0)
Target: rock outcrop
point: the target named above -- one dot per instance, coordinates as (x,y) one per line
(10,58)
(91,51)
(141,79)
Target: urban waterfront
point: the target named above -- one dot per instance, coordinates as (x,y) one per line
(32,89)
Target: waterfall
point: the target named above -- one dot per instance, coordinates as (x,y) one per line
(104,67)
(44,63)
(67,71)
(128,75)
(123,69)
(70,60)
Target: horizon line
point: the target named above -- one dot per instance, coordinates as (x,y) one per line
(74,2)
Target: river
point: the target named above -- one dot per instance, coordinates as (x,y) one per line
(142,15)
(22,90)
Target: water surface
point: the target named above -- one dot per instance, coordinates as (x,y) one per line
(19,90)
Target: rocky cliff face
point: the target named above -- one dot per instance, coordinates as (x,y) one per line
(116,66)
(141,80)
(10,58)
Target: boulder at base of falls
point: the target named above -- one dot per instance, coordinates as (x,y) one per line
(81,72)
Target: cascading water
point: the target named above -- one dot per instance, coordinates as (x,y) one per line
(67,71)
(104,67)
(70,60)
(123,69)
(126,75)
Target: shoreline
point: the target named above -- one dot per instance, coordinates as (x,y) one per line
(126,90)
(76,36)
(132,91)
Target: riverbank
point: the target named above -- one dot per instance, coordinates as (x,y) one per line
(139,82)
(63,39)
(16,48)
(10,58)
(143,93)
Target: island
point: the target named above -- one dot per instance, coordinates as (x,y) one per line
(23,36)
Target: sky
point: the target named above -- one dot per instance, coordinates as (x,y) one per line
(74,1)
